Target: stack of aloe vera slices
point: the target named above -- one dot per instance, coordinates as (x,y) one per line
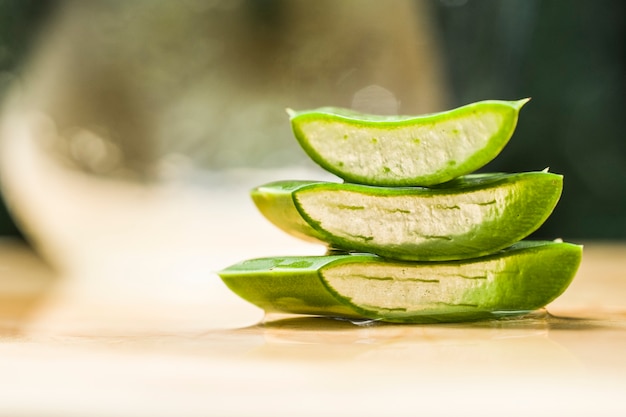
(413,235)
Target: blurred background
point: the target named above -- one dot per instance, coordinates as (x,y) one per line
(147,92)
(132,130)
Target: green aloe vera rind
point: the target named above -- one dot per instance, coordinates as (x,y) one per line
(406,150)
(519,279)
(466,218)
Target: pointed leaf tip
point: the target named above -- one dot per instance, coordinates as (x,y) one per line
(520,103)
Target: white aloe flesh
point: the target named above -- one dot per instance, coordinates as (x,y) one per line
(406,150)
(472,216)
(520,279)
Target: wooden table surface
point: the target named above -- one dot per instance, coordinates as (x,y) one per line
(205,352)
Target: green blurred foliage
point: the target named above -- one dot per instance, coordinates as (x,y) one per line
(20,24)
(568,55)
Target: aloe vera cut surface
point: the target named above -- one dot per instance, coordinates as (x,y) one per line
(406,150)
(520,279)
(466,218)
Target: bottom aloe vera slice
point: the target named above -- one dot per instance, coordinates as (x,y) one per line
(469,217)
(517,280)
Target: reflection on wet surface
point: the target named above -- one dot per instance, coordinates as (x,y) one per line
(82,359)
(536,343)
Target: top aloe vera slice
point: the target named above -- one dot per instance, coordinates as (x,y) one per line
(522,278)
(471,216)
(406,150)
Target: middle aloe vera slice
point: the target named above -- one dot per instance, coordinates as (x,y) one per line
(472,216)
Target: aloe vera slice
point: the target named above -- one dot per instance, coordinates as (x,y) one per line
(469,217)
(522,278)
(406,150)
